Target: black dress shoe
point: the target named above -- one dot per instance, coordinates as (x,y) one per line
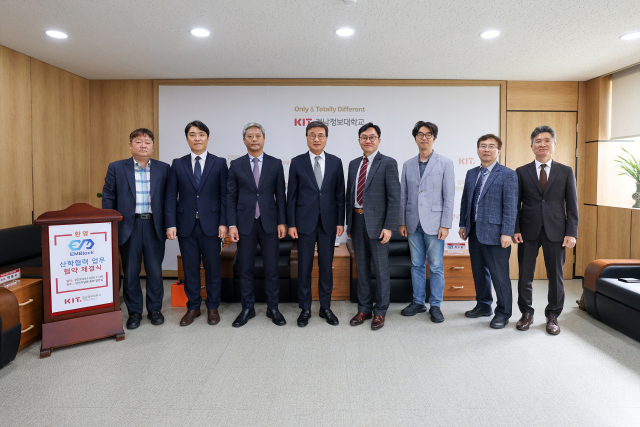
(276,317)
(243,317)
(156,317)
(479,311)
(498,322)
(134,320)
(326,313)
(303,319)
(436,314)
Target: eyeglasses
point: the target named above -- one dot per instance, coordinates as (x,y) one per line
(313,136)
(371,138)
(490,147)
(427,135)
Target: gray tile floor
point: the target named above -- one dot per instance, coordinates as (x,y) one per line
(412,372)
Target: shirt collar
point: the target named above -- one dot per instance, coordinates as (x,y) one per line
(260,157)
(491,166)
(539,163)
(202,156)
(371,156)
(428,158)
(313,156)
(148,166)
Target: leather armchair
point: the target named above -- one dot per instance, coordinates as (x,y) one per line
(10,326)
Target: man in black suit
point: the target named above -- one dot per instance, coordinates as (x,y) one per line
(373,206)
(135,188)
(196,213)
(547,217)
(256,209)
(315,214)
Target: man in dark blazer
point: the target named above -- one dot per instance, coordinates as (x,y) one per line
(315,214)
(373,205)
(256,209)
(488,218)
(135,187)
(196,212)
(547,217)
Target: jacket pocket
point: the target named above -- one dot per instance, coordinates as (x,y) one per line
(240,207)
(436,208)
(560,215)
(495,221)
(272,205)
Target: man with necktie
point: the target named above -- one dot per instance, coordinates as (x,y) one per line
(195,209)
(488,212)
(315,214)
(547,217)
(256,210)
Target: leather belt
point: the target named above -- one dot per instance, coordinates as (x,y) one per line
(360,211)
(144,216)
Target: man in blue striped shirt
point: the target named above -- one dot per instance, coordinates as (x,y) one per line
(135,187)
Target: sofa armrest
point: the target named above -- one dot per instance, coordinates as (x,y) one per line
(227,255)
(595,268)
(9,309)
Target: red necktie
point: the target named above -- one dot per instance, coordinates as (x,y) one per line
(362,177)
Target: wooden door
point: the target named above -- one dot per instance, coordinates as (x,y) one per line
(518,152)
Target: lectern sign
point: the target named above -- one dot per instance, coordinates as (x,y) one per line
(80,267)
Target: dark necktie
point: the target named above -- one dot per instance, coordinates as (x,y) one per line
(256,177)
(543,177)
(476,193)
(362,177)
(197,171)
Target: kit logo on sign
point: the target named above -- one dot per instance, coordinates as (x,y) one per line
(76,245)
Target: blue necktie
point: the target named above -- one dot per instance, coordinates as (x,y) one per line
(197,171)
(476,194)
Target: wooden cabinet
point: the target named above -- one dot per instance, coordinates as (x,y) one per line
(341,275)
(458,279)
(29,295)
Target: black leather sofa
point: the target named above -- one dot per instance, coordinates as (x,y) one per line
(21,247)
(9,326)
(611,301)
(399,270)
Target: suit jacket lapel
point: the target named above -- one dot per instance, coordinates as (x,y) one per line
(432,162)
(307,167)
(130,174)
(186,162)
(266,164)
(533,173)
(208,165)
(247,168)
(375,164)
(550,181)
(492,177)
(154,179)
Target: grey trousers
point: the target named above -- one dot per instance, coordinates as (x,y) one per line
(368,250)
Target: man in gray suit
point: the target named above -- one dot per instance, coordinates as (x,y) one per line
(426,215)
(547,217)
(372,204)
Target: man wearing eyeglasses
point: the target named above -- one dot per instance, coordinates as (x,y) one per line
(315,214)
(373,203)
(488,212)
(426,215)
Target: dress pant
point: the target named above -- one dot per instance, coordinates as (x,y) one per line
(270,246)
(326,248)
(554,257)
(490,263)
(143,240)
(192,247)
(368,250)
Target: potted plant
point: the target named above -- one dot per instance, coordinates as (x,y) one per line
(631,167)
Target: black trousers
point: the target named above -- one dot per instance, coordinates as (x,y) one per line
(270,246)
(143,240)
(554,257)
(192,247)
(326,248)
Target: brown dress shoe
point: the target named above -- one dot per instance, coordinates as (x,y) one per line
(189,316)
(359,319)
(213,318)
(378,323)
(525,321)
(553,327)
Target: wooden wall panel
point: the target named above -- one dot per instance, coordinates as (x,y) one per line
(587,234)
(117,108)
(589,181)
(542,96)
(634,251)
(16,186)
(597,111)
(613,236)
(518,153)
(61,138)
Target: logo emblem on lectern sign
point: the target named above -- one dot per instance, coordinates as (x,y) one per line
(76,245)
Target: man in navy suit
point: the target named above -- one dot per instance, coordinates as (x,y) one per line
(135,188)
(256,211)
(196,213)
(488,212)
(315,214)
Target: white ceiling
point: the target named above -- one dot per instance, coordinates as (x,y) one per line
(410,39)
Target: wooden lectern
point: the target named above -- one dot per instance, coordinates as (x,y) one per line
(80,273)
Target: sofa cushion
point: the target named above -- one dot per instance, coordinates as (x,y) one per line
(31,262)
(19,244)
(625,293)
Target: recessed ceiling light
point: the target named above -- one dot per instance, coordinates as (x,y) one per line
(57,34)
(490,34)
(200,32)
(631,36)
(345,32)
